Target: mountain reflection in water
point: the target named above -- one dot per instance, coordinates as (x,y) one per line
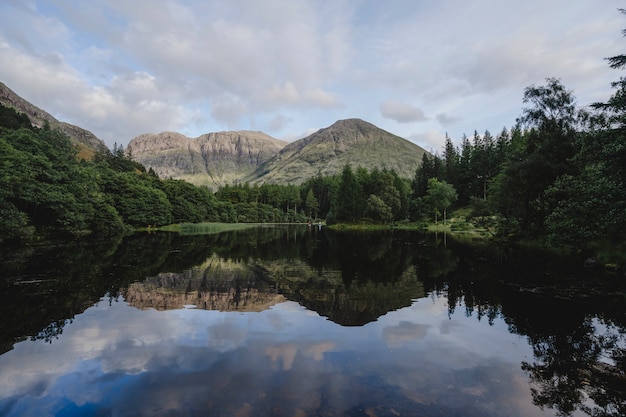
(300,322)
(226,285)
(217,284)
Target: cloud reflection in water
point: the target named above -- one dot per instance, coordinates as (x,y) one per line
(116,359)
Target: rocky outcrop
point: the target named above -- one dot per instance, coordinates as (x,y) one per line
(218,284)
(143,296)
(86,141)
(217,159)
(227,285)
(213,159)
(347,142)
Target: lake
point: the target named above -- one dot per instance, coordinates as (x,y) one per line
(306,321)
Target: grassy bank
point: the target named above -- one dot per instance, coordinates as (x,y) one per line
(457,224)
(200,228)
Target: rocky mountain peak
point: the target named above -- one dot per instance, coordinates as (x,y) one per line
(346,142)
(352,124)
(212,159)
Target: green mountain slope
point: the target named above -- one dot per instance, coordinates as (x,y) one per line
(352,141)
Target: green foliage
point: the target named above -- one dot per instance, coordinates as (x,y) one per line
(439,196)
(106,219)
(42,180)
(190,204)
(45,188)
(426,171)
(588,207)
(377,210)
(311,204)
(348,202)
(10,119)
(547,154)
(354,196)
(559,175)
(138,203)
(336,198)
(119,161)
(479,208)
(13,223)
(323,188)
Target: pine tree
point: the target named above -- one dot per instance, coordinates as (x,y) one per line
(348,200)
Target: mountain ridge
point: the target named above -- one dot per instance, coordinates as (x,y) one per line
(212,159)
(87,142)
(346,142)
(230,157)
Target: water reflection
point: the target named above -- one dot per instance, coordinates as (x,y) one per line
(115,359)
(217,284)
(583,370)
(296,321)
(317,273)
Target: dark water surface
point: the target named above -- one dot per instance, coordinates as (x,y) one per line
(291,321)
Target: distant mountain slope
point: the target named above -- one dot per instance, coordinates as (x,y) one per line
(213,159)
(87,142)
(327,151)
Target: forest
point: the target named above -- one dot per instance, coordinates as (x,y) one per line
(557,176)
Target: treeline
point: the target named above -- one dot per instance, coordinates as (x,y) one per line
(46,189)
(354,195)
(559,175)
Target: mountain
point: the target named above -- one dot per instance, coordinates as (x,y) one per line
(352,141)
(86,141)
(213,159)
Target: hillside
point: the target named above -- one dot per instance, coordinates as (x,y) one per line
(352,141)
(213,159)
(86,141)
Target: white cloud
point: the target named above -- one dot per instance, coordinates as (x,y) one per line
(403,332)
(278,122)
(122,68)
(401,112)
(430,140)
(228,109)
(447,120)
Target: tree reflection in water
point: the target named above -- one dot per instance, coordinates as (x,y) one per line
(573,320)
(585,364)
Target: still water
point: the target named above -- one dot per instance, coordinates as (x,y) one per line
(292,321)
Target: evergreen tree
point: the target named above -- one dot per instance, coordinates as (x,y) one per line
(451,161)
(425,171)
(348,204)
(465,176)
(311,204)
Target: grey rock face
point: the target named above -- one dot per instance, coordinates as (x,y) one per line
(213,159)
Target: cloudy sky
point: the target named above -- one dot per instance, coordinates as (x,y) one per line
(417,68)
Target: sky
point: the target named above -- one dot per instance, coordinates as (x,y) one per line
(416,68)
